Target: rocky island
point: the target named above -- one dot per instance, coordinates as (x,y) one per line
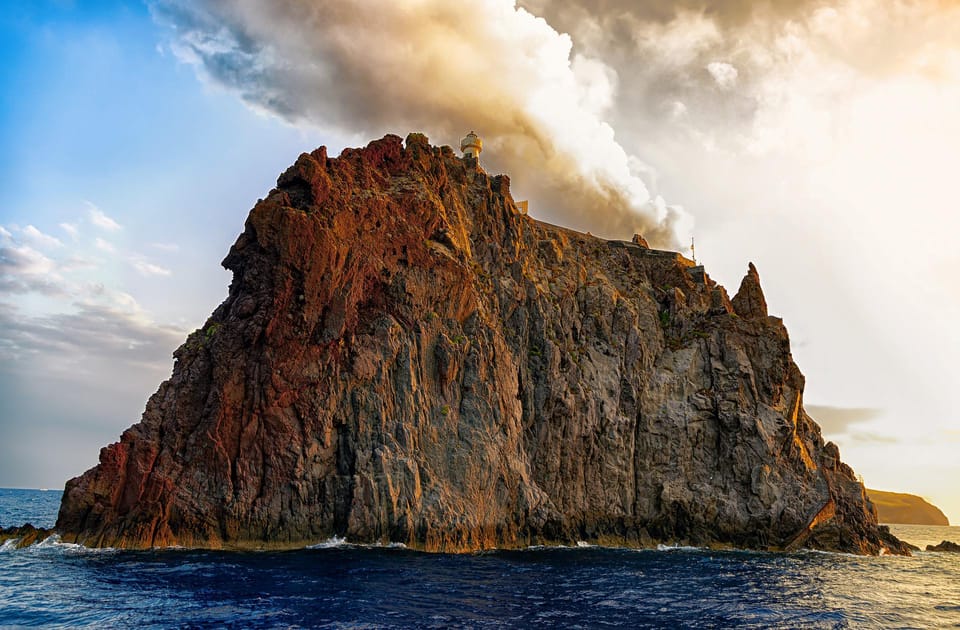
(406,357)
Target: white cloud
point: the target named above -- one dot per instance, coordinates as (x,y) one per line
(149,269)
(105,246)
(4,234)
(837,420)
(39,238)
(71,229)
(100,219)
(78,263)
(509,75)
(26,270)
(117,332)
(724,74)
(25,260)
(166,247)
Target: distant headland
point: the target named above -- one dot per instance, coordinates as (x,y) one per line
(906,509)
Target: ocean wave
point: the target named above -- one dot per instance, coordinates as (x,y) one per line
(663,547)
(340,542)
(393,545)
(53,543)
(333,542)
(843,554)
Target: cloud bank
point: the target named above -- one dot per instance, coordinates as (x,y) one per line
(56,315)
(444,68)
(834,420)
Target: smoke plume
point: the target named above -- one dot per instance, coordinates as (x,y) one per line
(443,68)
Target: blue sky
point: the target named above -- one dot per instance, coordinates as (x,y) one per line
(96,112)
(817,139)
(97,116)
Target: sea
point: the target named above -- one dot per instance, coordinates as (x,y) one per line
(340,585)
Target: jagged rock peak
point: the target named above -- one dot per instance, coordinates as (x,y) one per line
(405,357)
(749,301)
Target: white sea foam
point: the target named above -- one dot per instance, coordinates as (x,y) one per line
(53,543)
(662,547)
(337,542)
(50,541)
(331,543)
(580,544)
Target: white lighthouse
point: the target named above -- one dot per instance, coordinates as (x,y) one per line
(471,145)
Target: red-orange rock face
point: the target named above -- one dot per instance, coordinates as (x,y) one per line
(404,357)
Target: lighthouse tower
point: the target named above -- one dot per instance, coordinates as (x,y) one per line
(471,145)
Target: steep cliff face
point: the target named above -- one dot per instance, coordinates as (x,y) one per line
(405,357)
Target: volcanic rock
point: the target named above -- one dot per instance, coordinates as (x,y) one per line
(749,301)
(404,357)
(25,535)
(946,545)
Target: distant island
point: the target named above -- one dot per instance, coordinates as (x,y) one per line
(907,509)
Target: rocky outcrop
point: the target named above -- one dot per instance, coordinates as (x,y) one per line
(405,357)
(946,546)
(897,507)
(749,301)
(24,536)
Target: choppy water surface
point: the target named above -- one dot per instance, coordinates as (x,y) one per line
(342,586)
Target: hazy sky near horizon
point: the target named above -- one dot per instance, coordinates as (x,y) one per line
(819,139)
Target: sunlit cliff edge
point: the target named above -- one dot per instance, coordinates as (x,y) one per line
(405,357)
(897,507)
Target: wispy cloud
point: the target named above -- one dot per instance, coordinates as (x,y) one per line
(100,219)
(865,437)
(105,245)
(23,259)
(23,270)
(117,332)
(834,420)
(72,229)
(79,263)
(40,239)
(149,269)
(166,247)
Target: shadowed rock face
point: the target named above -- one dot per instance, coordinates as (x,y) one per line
(404,357)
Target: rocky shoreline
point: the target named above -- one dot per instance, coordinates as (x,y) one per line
(25,535)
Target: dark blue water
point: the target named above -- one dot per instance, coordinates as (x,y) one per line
(37,507)
(54,585)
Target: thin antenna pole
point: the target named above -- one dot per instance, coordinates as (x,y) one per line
(693,250)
